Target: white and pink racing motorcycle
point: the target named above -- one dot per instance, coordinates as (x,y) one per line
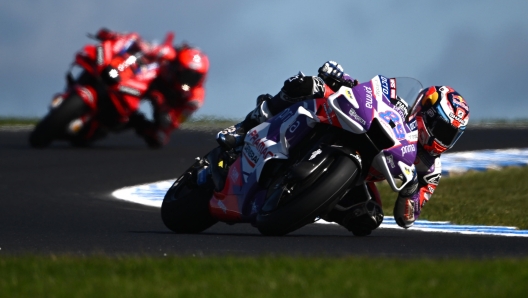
(294,168)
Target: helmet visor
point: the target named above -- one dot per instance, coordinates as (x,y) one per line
(444,132)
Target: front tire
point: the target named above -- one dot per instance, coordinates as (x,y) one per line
(315,198)
(185,208)
(54,125)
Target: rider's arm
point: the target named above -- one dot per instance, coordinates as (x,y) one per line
(413,196)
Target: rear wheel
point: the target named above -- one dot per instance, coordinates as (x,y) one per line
(54,125)
(299,204)
(185,208)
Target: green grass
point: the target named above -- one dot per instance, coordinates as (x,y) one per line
(498,197)
(209,122)
(9,121)
(67,276)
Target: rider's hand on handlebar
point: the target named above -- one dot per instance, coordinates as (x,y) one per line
(331,69)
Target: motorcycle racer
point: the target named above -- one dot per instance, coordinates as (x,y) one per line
(442,116)
(175,93)
(439,114)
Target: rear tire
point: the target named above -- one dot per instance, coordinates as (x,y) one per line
(54,125)
(185,208)
(318,197)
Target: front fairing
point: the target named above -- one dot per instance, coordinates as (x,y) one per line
(371,104)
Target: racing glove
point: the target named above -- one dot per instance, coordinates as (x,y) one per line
(331,69)
(334,76)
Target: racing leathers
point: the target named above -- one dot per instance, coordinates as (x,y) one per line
(295,89)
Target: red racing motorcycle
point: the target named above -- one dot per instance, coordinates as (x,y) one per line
(113,76)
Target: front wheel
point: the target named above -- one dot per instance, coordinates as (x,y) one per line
(307,199)
(185,207)
(55,124)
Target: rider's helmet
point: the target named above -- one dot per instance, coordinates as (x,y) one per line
(442,115)
(190,66)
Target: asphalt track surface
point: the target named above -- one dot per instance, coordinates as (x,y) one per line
(58,201)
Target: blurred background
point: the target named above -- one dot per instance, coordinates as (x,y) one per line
(479,47)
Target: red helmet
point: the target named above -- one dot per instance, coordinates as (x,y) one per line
(442,115)
(191,66)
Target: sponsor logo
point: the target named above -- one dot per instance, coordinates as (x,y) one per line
(377,91)
(407,149)
(315,153)
(458,118)
(390,160)
(250,154)
(285,115)
(294,126)
(328,113)
(129,90)
(413,136)
(413,125)
(259,145)
(459,101)
(129,61)
(393,88)
(349,94)
(433,179)
(234,174)
(407,171)
(384,86)
(401,108)
(368,94)
(319,87)
(356,117)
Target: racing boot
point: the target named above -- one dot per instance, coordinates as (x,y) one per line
(233,136)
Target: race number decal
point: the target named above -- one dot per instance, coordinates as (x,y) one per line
(394,121)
